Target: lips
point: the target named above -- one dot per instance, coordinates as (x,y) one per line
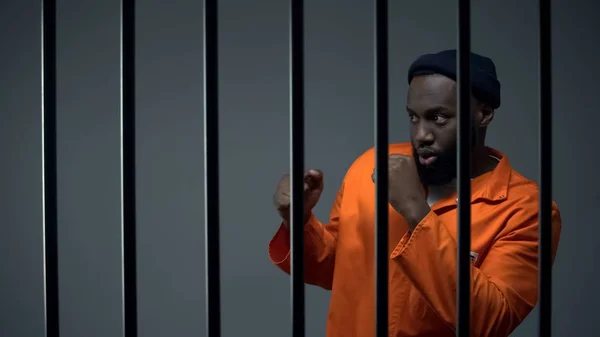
(427,160)
(426,157)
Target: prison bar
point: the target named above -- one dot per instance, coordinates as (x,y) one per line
(463,60)
(381,168)
(545,170)
(49,169)
(211,171)
(297,166)
(128,167)
(211,160)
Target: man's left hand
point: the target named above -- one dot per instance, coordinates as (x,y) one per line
(406,193)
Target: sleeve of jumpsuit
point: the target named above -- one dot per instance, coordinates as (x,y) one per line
(320,242)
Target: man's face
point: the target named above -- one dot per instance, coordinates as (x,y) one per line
(431,107)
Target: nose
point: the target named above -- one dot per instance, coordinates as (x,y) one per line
(423,134)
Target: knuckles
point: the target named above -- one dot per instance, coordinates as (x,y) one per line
(398,161)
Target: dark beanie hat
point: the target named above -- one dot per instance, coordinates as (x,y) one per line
(484,83)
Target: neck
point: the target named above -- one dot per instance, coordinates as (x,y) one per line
(481,164)
(481,161)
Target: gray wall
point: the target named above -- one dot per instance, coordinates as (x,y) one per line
(254,152)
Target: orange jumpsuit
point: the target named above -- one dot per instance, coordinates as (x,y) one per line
(339,256)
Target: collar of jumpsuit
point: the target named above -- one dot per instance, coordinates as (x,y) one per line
(340,256)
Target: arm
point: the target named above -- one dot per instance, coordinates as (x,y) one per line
(319,247)
(504,288)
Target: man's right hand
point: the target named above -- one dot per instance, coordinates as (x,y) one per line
(313,186)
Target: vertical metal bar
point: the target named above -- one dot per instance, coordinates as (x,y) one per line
(297,166)
(464,168)
(381,167)
(128,169)
(211,169)
(545,167)
(49,169)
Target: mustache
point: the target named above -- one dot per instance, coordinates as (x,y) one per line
(430,152)
(426,152)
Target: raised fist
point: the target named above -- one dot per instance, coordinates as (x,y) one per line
(313,186)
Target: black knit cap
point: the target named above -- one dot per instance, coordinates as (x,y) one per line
(484,82)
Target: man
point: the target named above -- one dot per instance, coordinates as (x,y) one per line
(422,221)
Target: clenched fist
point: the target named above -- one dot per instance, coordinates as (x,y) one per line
(313,186)
(406,193)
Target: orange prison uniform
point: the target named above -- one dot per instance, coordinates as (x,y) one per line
(339,256)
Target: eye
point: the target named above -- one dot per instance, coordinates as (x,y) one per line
(413,118)
(440,119)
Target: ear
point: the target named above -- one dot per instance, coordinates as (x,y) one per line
(485,115)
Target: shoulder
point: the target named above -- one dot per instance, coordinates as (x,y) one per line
(521,212)
(524,198)
(524,190)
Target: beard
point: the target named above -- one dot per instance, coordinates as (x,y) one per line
(441,172)
(444,169)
